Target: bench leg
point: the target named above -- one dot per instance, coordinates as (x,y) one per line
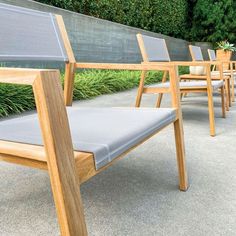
(222,92)
(180,152)
(211,112)
(140,89)
(232,87)
(160,96)
(60,156)
(159,99)
(227,91)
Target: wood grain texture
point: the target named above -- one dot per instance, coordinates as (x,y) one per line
(160,96)
(59,151)
(183,90)
(178,128)
(70,65)
(140,89)
(162,66)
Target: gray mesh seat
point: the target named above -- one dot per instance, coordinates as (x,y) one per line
(106,132)
(29,35)
(196,53)
(212,54)
(191,84)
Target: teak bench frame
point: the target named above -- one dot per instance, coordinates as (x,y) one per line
(68,169)
(221,76)
(184,90)
(231,64)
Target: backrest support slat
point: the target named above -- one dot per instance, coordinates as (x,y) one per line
(153,49)
(196,53)
(27,34)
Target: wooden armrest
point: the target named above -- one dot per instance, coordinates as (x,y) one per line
(20,75)
(179,63)
(114,66)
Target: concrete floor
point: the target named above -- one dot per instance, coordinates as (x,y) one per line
(139,194)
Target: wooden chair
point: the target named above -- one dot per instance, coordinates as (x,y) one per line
(76,143)
(196,55)
(154,50)
(231,72)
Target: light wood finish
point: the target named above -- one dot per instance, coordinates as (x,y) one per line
(68,169)
(112,66)
(184,90)
(69,83)
(159,99)
(228,70)
(220,65)
(140,90)
(178,128)
(223,55)
(57,144)
(232,81)
(70,65)
(59,151)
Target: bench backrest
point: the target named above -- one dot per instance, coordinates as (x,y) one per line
(212,54)
(153,49)
(30,35)
(196,53)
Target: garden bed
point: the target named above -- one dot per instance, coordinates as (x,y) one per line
(88,84)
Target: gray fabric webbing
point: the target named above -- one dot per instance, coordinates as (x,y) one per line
(155,48)
(27,34)
(197,53)
(106,132)
(212,54)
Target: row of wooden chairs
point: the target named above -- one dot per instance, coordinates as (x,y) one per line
(155,50)
(75,144)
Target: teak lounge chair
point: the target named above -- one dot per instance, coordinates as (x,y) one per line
(76,143)
(155,50)
(196,54)
(230,72)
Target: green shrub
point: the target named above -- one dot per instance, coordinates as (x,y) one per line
(214,21)
(88,84)
(167,17)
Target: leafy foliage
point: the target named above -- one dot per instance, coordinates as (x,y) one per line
(167,17)
(88,84)
(214,20)
(226,46)
(194,20)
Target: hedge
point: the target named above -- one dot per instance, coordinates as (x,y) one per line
(214,21)
(167,17)
(88,84)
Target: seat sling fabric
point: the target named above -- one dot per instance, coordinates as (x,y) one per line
(197,53)
(212,55)
(27,34)
(105,132)
(191,84)
(156,49)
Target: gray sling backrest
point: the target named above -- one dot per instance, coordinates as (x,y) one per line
(27,34)
(196,53)
(155,48)
(212,54)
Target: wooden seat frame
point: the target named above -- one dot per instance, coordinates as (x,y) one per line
(208,89)
(231,65)
(221,76)
(67,168)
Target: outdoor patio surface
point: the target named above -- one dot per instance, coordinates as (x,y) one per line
(139,194)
